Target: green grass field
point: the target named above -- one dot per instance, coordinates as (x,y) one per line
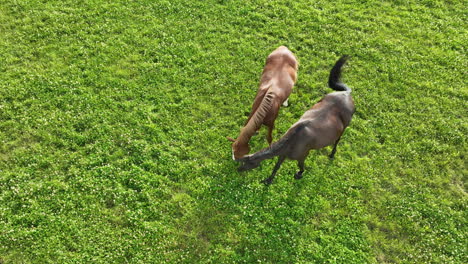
(113,118)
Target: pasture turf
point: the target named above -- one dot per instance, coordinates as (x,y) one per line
(113,118)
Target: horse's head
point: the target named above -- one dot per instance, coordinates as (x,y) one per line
(239,149)
(247,163)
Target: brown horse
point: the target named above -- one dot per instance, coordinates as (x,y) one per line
(319,127)
(278,78)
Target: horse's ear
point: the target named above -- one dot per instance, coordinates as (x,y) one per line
(231,139)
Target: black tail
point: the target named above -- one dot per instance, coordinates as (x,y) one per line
(335,74)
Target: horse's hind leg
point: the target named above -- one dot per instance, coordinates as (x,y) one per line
(332,155)
(269,180)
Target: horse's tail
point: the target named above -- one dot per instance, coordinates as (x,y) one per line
(334,81)
(257,118)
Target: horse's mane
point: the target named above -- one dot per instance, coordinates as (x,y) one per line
(256,121)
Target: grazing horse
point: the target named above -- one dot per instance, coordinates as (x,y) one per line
(320,126)
(278,78)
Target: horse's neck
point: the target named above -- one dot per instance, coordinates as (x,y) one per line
(245,135)
(276,149)
(281,147)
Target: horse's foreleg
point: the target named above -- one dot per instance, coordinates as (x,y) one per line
(269,180)
(300,164)
(332,155)
(270,132)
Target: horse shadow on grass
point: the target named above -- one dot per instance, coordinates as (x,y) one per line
(246,220)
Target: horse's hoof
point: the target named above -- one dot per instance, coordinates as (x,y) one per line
(298,175)
(241,169)
(267,181)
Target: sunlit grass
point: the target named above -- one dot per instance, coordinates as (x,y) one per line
(113,118)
